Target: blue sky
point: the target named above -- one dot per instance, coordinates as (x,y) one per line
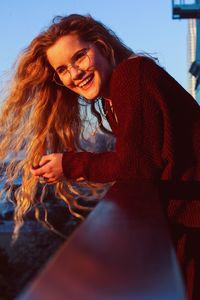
(144,25)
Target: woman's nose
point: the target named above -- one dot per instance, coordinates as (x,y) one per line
(75,72)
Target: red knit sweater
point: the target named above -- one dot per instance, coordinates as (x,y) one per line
(157,137)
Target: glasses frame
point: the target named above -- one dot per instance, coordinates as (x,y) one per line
(72,65)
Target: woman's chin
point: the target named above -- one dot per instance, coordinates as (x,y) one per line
(91,96)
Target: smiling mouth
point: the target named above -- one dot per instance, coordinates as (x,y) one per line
(86,83)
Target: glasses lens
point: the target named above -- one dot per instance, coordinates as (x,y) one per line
(57,80)
(84,62)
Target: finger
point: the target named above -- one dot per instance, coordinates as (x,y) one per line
(49,181)
(54,179)
(34,173)
(32,170)
(49,176)
(80,179)
(35,166)
(38,171)
(45,159)
(52,182)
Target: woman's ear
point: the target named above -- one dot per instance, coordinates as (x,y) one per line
(103,47)
(106,50)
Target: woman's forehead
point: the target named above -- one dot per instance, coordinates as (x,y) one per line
(64,48)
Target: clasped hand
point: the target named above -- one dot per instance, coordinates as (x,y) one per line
(49,168)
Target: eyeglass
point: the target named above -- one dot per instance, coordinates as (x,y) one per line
(81,61)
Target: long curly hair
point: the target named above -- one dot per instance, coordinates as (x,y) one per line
(39,116)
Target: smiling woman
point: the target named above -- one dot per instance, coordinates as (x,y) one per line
(78,57)
(42,111)
(80,66)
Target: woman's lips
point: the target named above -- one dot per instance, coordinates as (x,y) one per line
(86,84)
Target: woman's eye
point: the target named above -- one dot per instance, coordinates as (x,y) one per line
(62,71)
(80,56)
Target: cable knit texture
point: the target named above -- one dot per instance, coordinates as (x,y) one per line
(157,136)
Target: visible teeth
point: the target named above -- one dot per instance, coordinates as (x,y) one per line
(85,81)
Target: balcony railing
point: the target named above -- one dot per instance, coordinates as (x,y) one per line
(122,251)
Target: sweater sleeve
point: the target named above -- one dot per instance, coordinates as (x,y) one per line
(134,156)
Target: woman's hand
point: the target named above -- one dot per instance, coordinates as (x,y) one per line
(50,168)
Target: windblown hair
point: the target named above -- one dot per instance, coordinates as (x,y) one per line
(41,117)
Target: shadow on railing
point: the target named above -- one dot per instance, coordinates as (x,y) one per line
(122,251)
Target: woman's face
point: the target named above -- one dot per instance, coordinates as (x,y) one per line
(80,66)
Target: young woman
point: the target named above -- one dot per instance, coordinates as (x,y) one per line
(155,121)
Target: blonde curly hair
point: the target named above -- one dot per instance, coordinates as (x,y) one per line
(38,116)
